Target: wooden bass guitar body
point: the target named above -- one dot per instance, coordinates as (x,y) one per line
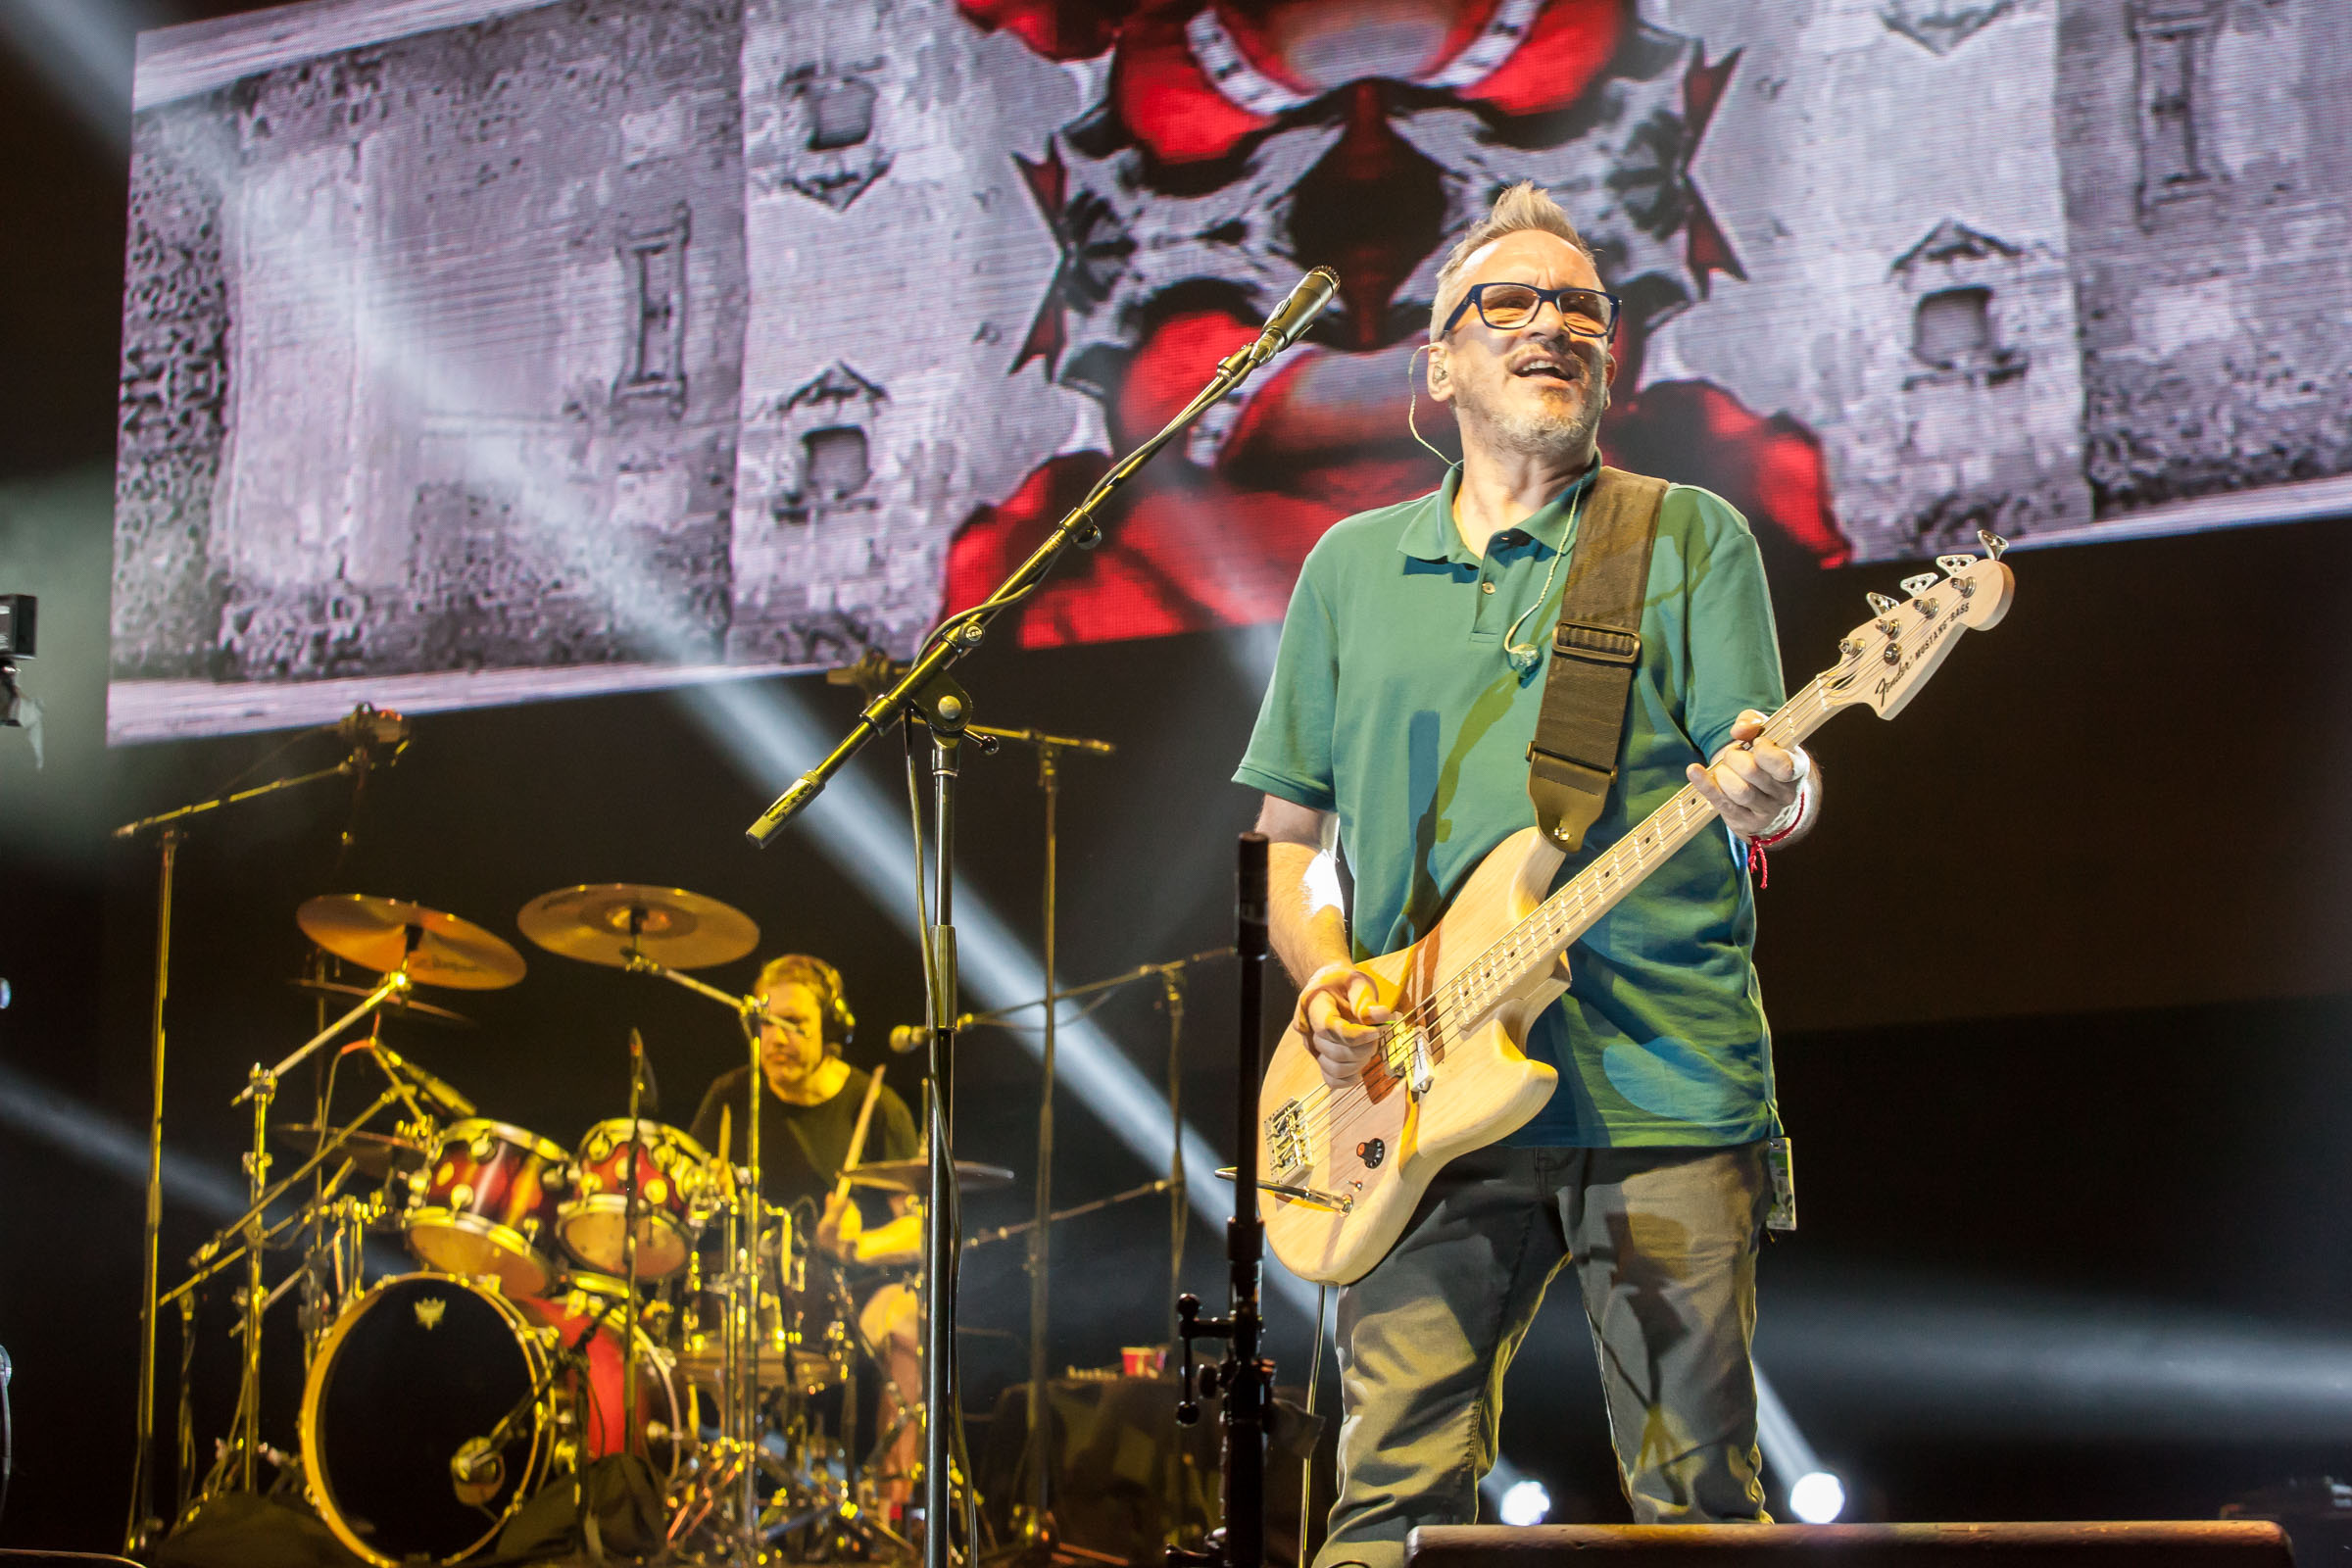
(1344,1172)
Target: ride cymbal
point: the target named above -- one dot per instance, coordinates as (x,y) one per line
(912,1177)
(440,950)
(604,922)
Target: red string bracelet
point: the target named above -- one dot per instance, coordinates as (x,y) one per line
(1756,847)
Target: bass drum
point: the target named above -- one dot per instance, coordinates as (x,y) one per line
(422,1369)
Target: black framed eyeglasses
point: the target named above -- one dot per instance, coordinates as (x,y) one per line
(1508,307)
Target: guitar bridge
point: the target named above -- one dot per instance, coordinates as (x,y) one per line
(1286,1138)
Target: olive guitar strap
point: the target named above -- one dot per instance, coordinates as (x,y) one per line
(1573,759)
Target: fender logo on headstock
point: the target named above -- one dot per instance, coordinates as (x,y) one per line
(1936,632)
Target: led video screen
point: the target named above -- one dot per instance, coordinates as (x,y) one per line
(475,351)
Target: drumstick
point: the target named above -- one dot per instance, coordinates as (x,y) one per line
(865,1117)
(727,1129)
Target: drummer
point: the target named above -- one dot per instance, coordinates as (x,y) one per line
(808,1116)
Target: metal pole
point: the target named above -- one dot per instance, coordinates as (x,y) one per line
(1041,1500)
(262,1087)
(940,1222)
(142,1484)
(747,1306)
(1248,1394)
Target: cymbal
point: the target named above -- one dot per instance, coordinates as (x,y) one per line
(603,921)
(376,1154)
(401,1006)
(374,933)
(913,1176)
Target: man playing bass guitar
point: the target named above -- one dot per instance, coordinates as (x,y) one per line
(1397,729)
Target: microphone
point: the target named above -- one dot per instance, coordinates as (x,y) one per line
(435,1089)
(369,725)
(1292,316)
(476,1471)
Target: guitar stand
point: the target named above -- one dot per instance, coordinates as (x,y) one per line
(1243,1376)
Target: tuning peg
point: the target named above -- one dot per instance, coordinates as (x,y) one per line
(1954,565)
(1880,604)
(1915,586)
(1993,543)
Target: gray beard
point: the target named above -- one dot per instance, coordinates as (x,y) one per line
(1532,436)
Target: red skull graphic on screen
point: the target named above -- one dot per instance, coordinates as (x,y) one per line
(1237,142)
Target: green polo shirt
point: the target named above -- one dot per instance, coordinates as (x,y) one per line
(1393,704)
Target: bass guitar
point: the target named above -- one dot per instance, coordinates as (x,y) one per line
(1343,1167)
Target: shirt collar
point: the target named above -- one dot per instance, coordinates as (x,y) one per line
(1430,534)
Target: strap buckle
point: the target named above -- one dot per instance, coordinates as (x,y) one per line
(1597,642)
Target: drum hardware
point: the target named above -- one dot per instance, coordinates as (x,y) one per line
(636,927)
(380,1156)
(514,1392)
(907,1177)
(405,942)
(408,1006)
(1003,1233)
(366,729)
(1037,1520)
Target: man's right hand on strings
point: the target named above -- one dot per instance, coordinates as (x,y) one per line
(1341,1013)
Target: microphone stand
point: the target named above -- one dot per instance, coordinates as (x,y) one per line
(1245,1377)
(928,693)
(1040,1528)
(169,836)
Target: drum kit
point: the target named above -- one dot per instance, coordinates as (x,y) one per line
(630,1298)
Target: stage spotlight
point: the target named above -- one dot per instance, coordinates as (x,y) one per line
(1817,1497)
(1526,1503)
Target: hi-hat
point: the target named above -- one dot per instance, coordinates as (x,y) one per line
(376,1154)
(440,950)
(605,922)
(913,1176)
(398,1006)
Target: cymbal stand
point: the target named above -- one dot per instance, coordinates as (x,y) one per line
(1171,977)
(260,1088)
(169,837)
(1038,1527)
(740,1354)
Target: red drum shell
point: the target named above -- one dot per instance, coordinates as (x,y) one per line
(487,1202)
(671,1170)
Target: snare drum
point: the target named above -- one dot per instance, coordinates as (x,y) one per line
(798,1333)
(414,1381)
(670,1179)
(485,1203)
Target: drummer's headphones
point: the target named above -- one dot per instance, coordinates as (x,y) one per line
(837,1024)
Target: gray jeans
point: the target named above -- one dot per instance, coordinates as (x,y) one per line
(1664,1243)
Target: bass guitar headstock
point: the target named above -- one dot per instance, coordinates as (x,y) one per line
(1889,656)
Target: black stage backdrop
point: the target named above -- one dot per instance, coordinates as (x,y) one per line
(2063,1027)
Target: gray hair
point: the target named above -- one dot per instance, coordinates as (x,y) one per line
(1521,207)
